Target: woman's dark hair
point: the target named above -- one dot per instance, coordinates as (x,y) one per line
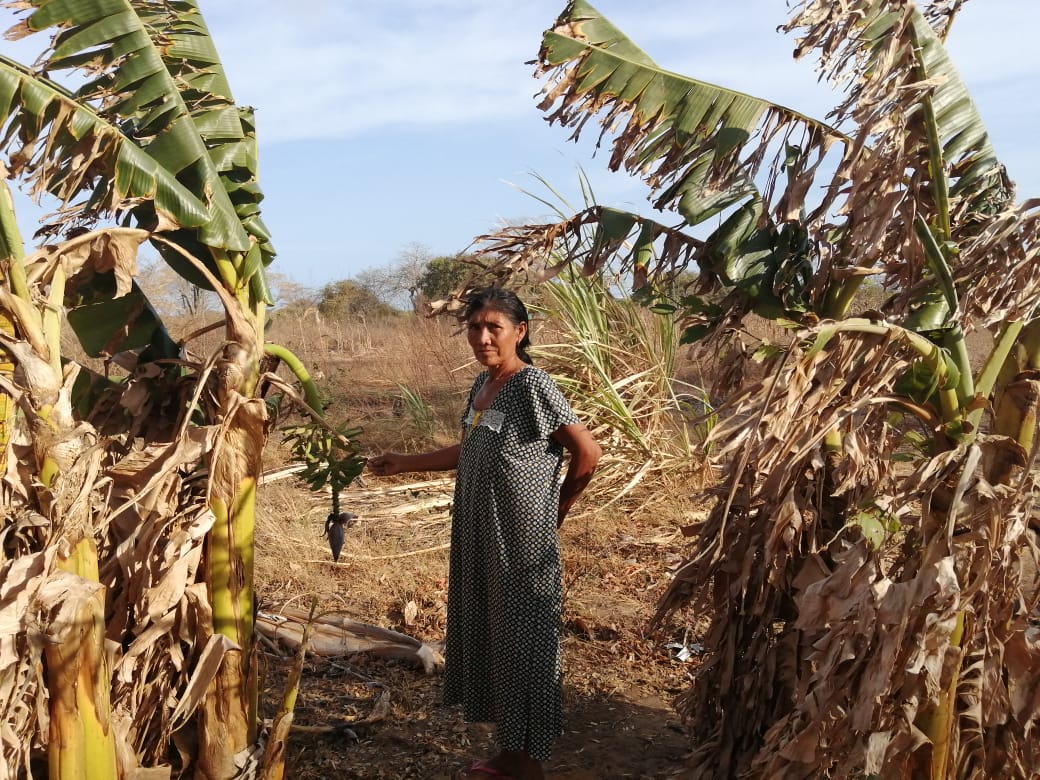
(509,304)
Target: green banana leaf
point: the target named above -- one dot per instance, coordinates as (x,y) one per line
(155,75)
(686,138)
(975,172)
(935,160)
(710,152)
(683,136)
(31,104)
(107,325)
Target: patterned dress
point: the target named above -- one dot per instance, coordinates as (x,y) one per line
(502,652)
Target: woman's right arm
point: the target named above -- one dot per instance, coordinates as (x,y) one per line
(389,463)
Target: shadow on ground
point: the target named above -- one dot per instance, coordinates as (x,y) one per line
(624,733)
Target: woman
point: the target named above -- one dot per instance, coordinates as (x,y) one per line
(502,652)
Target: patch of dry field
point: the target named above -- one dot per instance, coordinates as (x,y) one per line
(619,682)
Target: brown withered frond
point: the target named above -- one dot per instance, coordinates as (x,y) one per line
(849,592)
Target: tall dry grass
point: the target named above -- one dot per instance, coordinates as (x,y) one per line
(620,365)
(404,379)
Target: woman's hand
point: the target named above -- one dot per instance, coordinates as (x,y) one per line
(386,464)
(585,453)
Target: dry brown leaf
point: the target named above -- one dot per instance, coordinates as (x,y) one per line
(210,660)
(411,609)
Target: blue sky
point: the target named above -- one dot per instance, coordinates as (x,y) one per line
(387,125)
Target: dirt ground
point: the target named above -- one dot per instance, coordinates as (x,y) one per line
(363,716)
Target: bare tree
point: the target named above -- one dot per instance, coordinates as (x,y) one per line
(173,295)
(396,285)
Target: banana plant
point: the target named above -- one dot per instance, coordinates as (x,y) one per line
(862,565)
(147,146)
(328,453)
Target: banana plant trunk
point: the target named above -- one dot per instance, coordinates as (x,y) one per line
(81,743)
(11,250)
(1018,395)
(228,714)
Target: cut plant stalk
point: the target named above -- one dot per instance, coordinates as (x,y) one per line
(273,764)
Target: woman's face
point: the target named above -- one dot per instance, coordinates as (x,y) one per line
(494,337)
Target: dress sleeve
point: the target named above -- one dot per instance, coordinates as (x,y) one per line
(550,408)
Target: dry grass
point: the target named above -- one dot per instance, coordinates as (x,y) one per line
(620,681)
(369,369)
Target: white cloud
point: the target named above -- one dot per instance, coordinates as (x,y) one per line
(361,66)
(348,69)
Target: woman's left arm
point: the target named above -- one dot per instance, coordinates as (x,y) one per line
(584,455)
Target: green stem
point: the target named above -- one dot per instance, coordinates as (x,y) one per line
(915,341)
(310,390)
(11,245)
(938,264)
(227,272)
(949,401)
(82,740)
(832,441)
(939,722)
(955,342)
(1016,406)
(1030,342)
(995,361)
(942,720)
(52,317)
(840,296)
